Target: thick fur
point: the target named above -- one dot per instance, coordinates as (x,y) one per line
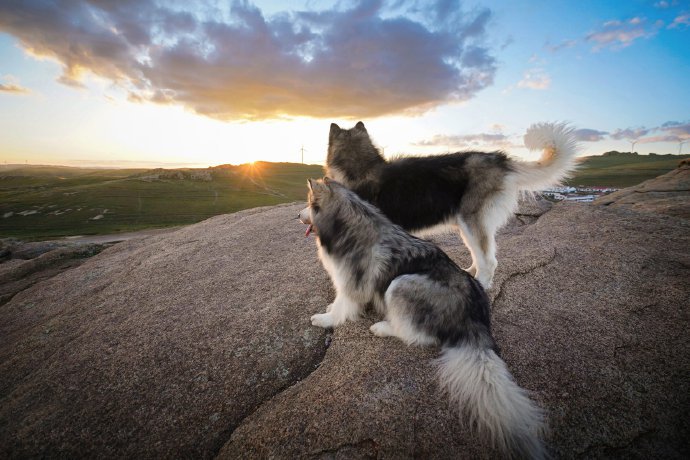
(475,192)
(426,299)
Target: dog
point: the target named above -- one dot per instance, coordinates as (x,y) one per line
(475,192)
(426,299)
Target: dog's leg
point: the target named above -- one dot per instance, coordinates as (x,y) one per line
(382,329)
(401,302)
(479,235)
(342,309)
(486,275)
(469,237)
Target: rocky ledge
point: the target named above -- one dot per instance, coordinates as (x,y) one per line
(197,343)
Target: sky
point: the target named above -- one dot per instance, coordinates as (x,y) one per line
(145,83)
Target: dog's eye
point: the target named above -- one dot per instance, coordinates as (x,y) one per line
(315,207)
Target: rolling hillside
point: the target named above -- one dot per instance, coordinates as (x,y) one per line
(47,202)
(623,169)
(43,202)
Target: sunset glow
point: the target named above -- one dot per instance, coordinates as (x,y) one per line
(201,84)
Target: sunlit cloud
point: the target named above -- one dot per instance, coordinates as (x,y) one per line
(671,131)
(679,131)
(617,34)
(235,63)
(11,85)
(535,79)
(495,140)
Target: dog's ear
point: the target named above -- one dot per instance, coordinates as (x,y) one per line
(318,187)
(335,130)
(360,126)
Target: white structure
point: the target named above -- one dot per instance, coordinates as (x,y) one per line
(581,198)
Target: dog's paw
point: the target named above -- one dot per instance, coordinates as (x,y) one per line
(472,270)
(484,280)
(381,329)
(324,320)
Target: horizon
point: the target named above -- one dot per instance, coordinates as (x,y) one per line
(202,83)
(144,165)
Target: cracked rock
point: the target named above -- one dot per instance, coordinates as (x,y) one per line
(666,194)
(197,343)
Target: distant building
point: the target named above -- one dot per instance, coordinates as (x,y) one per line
(554,195)
(563,189)
(581,198)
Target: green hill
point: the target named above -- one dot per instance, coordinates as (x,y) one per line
(623,169)
(47,202)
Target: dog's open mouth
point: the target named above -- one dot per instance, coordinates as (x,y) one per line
(310,228)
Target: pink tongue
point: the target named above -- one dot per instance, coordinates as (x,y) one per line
(308,230)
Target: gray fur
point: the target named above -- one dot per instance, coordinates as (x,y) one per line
(425,300)
(474,192)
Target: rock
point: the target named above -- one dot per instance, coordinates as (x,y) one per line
(666,194)
(197,343)
(17,274)
(30,250)
(160,347)
(588,308)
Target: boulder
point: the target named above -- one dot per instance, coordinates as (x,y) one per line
(198,343)
(161,347)
(666,194)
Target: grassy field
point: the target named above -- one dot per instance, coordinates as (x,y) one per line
(623,170)
(43,202)
(48,202)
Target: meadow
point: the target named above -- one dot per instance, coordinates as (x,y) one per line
(45,202)
(48,202)
(622,169)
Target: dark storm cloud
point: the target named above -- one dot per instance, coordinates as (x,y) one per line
(235,63)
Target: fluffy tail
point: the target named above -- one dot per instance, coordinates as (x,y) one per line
(479,382)
(557,161)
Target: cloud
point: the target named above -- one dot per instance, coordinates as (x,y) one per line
(589,135)
(680,21)
(661,138)
(665,4)
(562,45)
(676,131)
(495,140)
(11,85)
(535,79)
(617,34)
(233,62)
(630,134)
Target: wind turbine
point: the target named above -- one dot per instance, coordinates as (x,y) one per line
(632,146)
(302,150)
(680,145)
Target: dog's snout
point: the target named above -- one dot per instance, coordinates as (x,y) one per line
(304,216)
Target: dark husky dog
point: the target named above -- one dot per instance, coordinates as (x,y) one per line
(425,299)
(475,192)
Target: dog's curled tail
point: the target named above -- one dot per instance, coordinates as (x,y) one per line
(559,146)
(479,383)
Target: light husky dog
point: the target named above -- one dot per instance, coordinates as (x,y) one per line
(426,299)
(473,191)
